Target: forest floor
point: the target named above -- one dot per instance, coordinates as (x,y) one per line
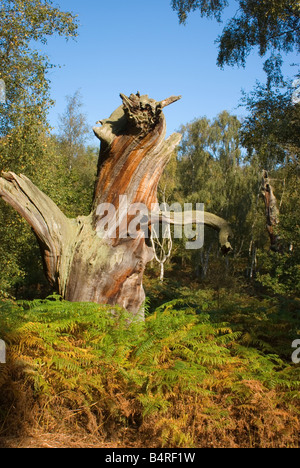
(59,440)
(206,369)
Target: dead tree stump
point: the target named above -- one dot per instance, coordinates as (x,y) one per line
(82,259)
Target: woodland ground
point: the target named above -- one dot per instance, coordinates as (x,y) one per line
(207,369)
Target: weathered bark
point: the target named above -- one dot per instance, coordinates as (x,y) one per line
(272,212)
(210,220)
(54,231)
(84,260)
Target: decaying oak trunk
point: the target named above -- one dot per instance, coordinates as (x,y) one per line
(82,258)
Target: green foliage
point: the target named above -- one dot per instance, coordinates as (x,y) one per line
(184,378)
(211,167)
(207,368)
(279,273)
(79,160)
(23,69)
(211,170)
(271,130)
(214,168)
(73,129)
(207,8)
(270,26)
(25,144)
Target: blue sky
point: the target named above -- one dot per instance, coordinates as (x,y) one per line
(138,45)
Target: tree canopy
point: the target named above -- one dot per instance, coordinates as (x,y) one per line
(25,143)
(23,68)
(272,25)
(270,131)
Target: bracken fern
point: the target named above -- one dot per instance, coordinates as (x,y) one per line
(186,377)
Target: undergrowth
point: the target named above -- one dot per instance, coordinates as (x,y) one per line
(195,374)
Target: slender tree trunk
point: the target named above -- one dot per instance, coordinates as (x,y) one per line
(206,261)
(83,259)
(253,261)
(162,272)
(162,248)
